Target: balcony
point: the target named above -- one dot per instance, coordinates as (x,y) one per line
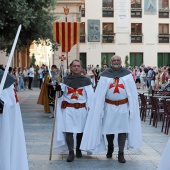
(136,37)
(107,11)
(107,8)
(164,13)
(136,12)
(163,38)
(108,37)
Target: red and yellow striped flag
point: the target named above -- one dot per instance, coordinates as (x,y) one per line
(67,34)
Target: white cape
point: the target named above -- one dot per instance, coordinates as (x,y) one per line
(164,163)
(13,155)
(59,137)
(93,140)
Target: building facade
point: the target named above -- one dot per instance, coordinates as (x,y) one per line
(138,29)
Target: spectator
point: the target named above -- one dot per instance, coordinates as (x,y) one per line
(25,76)
(30,76)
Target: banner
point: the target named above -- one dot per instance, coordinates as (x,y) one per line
(67,34)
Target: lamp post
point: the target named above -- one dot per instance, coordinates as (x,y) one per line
(66,12)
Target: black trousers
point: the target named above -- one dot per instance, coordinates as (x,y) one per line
(121,140)
(40,83)
(70,140)
(30,82)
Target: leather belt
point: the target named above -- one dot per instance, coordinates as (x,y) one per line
(65,104)
(117,103)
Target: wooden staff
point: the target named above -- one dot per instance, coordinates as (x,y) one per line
(52,137)
(55,110)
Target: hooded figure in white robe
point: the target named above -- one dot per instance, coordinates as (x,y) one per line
(115,110)
(13,154)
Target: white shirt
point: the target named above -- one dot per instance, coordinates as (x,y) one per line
(31,72)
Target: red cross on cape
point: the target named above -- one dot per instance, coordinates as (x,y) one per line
(116,85)
(75,92)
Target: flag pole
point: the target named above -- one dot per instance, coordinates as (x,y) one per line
(9,60)
(66,12)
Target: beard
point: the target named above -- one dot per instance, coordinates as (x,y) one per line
(116,66)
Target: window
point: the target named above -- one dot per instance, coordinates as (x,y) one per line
(83,60)
(136,3)
(136,59)
(108,3)
(163,8)
(107,8)
(82,32)
(163,33)
(163,4)
(163,28)
(108,33)
(83,11)
(163,59)
(105,58)
(136,33)
(136,28)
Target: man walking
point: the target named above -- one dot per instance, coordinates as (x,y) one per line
(72,111)
(115,111)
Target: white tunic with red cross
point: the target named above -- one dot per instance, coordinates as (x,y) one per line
(115,118)
(74,119)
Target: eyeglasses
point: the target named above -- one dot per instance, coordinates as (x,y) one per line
(104,67)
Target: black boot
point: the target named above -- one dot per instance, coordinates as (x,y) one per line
(109,151)
(78,140)
(78,153)
(121,158)
(70,157)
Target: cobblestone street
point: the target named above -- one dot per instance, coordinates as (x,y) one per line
(38,128)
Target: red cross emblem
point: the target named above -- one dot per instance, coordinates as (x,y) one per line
(116,85)
(76,92)
(16,97)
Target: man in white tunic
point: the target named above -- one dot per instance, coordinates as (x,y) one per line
(13,155)
(114,112)
(72,111)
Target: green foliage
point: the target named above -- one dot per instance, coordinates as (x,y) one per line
(36,18)
(33,60)
(126,61)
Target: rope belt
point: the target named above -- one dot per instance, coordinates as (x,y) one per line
(117,103)
(75,105)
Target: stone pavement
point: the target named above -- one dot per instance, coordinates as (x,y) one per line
(38,128)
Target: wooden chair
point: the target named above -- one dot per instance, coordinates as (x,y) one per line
(166,116)
(144,107)
(157,112)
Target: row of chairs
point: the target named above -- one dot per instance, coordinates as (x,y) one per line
(160,111)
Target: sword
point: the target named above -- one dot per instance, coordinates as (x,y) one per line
(9,61)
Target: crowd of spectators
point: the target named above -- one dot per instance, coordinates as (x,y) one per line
(151,78)
(146,78)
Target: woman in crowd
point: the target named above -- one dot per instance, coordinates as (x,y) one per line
(143,79)
(137,78)
(30,76)
(21,81)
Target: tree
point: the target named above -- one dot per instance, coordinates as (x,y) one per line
(33,60)
(126,61)
(36,18)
